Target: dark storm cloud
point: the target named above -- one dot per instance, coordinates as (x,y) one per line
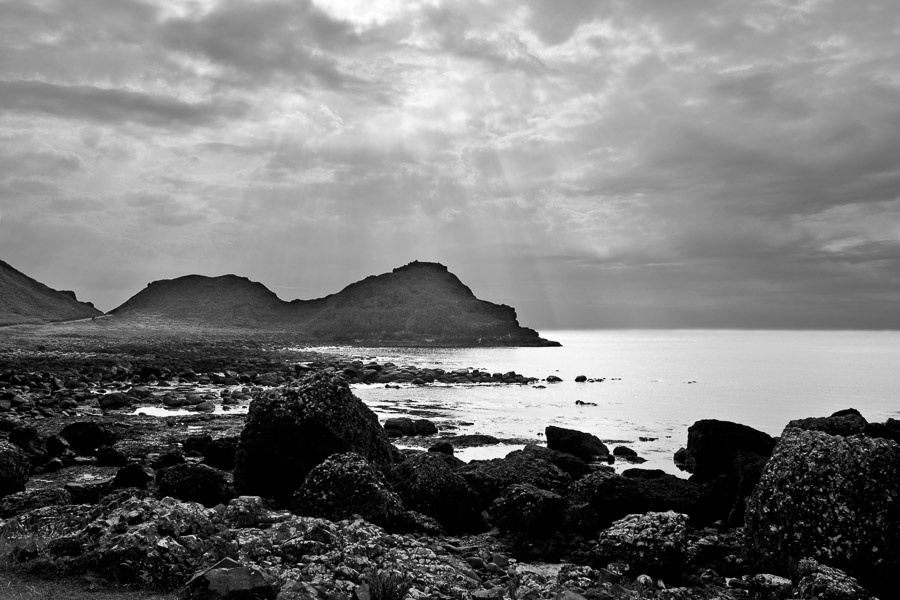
(111,105)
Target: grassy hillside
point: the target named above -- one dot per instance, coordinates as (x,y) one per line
(24,300)
(419,303)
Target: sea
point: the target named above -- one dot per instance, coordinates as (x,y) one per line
(649,386)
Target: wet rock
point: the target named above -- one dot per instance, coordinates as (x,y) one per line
(30,441)
(567,463)
(230,580)
(244,511)
(399,427)
(426,484)
(889,430)
(107,456)
(831,498)
(844,422)
(194,483)
(132,476)
(613,496)
(115,400)
(488,478)
(346,485)
(442,448)
(820,582)
(290,430)
(713,445)
(86,436)
(20,502)
(526,510)
(585,446)
(220,452)
(653,543)
(15,468)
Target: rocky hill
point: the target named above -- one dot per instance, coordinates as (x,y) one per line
(418,304)
(24,300)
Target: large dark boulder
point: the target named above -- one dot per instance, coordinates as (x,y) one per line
(86,436)
(568,463)
(488,478)
(835,499)
(31,442)
(15,469)
(289,430)
(843,422)
(220,452)
(583,445)
(713,445)
(526,510)
(613,496)
(654,543)
(426,484)
(346,485)
(194,483)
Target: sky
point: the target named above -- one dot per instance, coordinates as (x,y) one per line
(593,163)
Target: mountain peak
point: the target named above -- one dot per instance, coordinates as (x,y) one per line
(26,300)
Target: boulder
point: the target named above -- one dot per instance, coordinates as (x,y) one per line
(844,422)
(831,498)
(20,502)
(107,456)
(132,476)
(654,543)
(821,582)
(585,446)
(567,463)
(488,478)
(713,445)
(346,485)
(244,511)
(889,430)
(30,441)
(527,511)
(220,452)
(427,485)
(404,426)
(230,580)
(289,430)
(15,468)
(86,436)
(193,483)
(613,496)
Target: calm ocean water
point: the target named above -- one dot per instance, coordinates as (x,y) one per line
(664,381)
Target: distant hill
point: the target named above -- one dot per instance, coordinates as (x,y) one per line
(24,300)
(418,304)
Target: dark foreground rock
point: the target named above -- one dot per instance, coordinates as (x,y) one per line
(830,498)
(346,485)
(585,446)
(15,468)
(290,430)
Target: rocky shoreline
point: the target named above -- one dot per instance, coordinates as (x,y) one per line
(307,497)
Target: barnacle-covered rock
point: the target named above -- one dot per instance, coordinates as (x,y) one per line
(832,498)
(654,543)
(14,469)
(346,485)
(289,430)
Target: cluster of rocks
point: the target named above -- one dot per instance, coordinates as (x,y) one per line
(357,371)
(312,500)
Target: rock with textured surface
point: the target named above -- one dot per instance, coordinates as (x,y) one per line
(613,496)
(713,445)
(193,483)
(820,582)
(289,430)
(86,436)
(526,510)
(20,502)
(488,478)
(831,498)
(346,485)
(15,468)
(230,580)
(844,422)
(653,543)
(427,485)
(585,446)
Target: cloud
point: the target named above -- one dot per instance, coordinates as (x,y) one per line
(111,105)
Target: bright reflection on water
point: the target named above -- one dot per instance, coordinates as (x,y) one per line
(759,378)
